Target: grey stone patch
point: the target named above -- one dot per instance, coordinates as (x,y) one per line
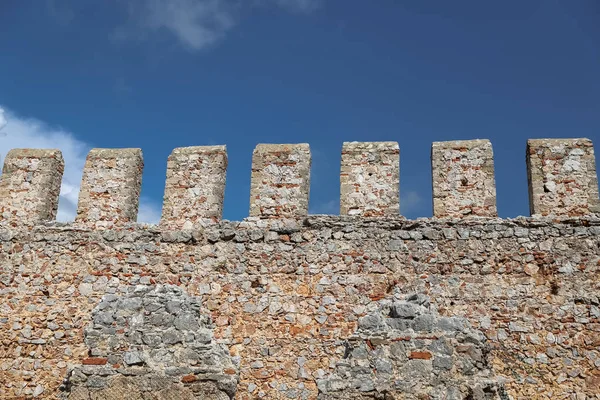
(139,350)
(406,350)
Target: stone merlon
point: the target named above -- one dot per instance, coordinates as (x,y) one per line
(562,177)
(280,180)
(369,179)
(110,188)
(463,179)
(195,185)
(30,186)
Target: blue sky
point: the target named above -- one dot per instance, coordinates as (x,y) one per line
(160,74)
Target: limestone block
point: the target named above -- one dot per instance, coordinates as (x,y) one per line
(110,188)
(369,179)
(562,177)
(280,180)
(30,186)
(195,186)
(463,179)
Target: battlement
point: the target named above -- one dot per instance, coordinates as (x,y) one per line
(561,173)
(284,305)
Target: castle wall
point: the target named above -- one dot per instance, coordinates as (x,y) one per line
(286,294)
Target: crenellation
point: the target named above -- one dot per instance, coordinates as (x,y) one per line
(195,186)
(110,187)
(562,177)
(463,179)
(369,179)
(30,186)
(280,180)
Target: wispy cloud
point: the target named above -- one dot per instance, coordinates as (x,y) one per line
(19,132)
(196,24)
(409,202)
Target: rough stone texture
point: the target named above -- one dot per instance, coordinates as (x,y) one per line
(30,185)
(406,350)
(369,179)
(562,177)
(152,342)
(195,186)
(110,188)
(463,179)
(280,180)
(286,295)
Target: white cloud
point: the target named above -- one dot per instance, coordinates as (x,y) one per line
(3,121)
(197,24)
(148,212)
(18,132)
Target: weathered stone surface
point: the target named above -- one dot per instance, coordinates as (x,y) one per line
(562,177)
(30,185)
(195,186)
(463,179)
(291,297)
(110,187)
(401,357)
(285,296)
(369,179)
(280,180)
(147,335)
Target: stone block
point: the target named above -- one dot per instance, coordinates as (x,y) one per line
(30,186)
(369,179)
(195,186)
(110,188)
(280,180)
(463,179)
(562,177)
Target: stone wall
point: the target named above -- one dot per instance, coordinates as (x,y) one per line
(308,307)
